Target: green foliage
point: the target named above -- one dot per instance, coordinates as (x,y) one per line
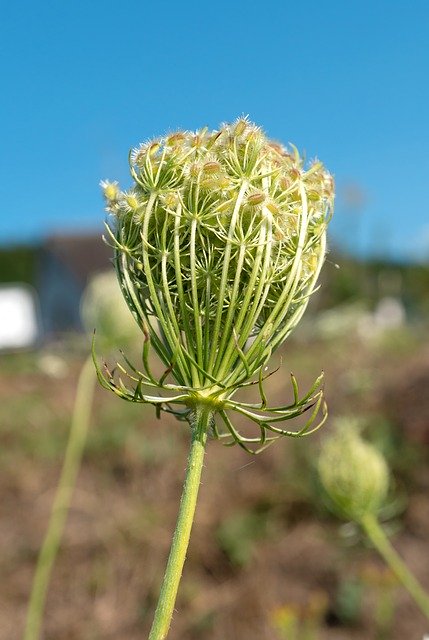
(348,601)
(239,533)
(373,589)
(18,264)
(29,428)
(372,279)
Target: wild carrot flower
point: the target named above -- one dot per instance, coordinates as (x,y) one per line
(217,247)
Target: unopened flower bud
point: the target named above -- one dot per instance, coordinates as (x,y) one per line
(353,473)
(211,167)
(272,207)
(131,201)
(110,189)
(284,183)
(240,126)
(154,148)
(170,200)
(175,139)
(256,198)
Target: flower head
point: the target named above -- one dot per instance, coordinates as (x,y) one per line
(218,248)
(353,473)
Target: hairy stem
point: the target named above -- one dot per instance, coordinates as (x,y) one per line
(60,507)
(200,424)
(380,541)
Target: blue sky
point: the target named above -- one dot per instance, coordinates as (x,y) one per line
(83,82)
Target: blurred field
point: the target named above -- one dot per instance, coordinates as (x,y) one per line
(263,547)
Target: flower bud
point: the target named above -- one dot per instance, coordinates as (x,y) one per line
(131,201)
(154,148)
(256,198)
(175,139)
(211,167)
(353,473)
(240,126)
(110,189)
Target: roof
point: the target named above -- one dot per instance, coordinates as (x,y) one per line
(82,255)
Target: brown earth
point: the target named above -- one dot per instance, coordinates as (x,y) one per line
(262,541)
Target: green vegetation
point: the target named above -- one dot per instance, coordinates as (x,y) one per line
(18,264)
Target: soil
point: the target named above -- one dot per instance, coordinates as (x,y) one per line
(262,542)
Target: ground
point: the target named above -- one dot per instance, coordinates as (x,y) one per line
(264,549)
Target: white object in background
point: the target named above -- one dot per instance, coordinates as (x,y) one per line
(389,314)
(19,327)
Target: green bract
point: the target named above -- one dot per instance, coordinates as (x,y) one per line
(218,246)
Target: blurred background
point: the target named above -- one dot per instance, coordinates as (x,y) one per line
(82,84)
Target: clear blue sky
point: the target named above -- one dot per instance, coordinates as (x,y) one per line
(82,82)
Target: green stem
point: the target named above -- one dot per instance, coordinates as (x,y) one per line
(60,507)
(380,541)
(200,424)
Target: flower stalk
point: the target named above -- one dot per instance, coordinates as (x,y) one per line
(200,425)
(63,496)
(375,533)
